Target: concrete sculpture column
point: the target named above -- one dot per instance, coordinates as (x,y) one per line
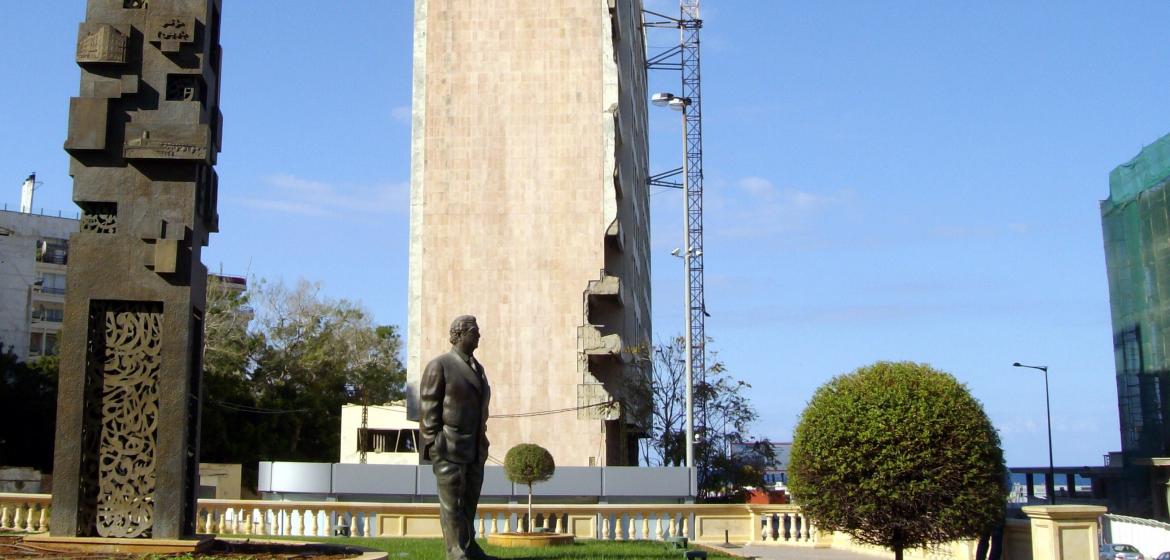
(1064,532)
(143,137)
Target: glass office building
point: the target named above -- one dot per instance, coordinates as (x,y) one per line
(1135,221)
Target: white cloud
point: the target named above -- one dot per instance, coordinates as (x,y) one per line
(401,113)
(755,207)
(980,231)
(758,186)
(288,194)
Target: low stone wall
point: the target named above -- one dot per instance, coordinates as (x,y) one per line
(1062,532)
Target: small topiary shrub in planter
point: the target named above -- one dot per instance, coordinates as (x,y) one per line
(528,464)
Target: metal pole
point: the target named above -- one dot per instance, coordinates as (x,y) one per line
(1050,480)
(1050,484)
(690,404)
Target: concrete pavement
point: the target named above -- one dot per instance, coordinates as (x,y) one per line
(795,553)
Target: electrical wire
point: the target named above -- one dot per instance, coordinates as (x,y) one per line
(548,412)
(255,410)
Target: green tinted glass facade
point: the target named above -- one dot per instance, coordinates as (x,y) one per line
(1136,223)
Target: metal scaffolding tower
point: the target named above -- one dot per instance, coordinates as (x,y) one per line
(685,59)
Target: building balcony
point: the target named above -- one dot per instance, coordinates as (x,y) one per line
(48,295)
(608,287)
(48,316)
(53,257)
(591,342)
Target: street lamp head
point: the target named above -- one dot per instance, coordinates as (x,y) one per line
(676,252)
(661,99)
(670,100)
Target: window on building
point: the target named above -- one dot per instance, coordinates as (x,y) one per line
(54,251)
(36,344)
(387,441)
(48,314)
(50,345)
(52,283)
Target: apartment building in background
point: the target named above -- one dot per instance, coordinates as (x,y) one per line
(529,209)
(34,256)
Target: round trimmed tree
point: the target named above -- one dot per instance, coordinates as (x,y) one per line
(900,455)
(528,463)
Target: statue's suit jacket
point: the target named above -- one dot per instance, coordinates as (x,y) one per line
(453,403)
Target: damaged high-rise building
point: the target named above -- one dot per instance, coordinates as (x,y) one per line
(529,210)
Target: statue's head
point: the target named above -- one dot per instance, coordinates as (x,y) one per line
(465,333)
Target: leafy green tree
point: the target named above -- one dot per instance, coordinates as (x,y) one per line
(528,463)
(724,415)
(28,397)
(900,455)
(279,365)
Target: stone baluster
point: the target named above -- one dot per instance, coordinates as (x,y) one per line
(329,525)
(5,516)
(267,520)
(606,526)
(296,523)
(346,519)
(482,524)
(310,523)
(18,518)
(371,530)
(558,525)
(43,523)
(645,533)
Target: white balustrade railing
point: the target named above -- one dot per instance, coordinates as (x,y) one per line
(24,513)
(783,524)
(779,524)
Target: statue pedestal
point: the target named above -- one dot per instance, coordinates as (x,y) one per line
(124,546)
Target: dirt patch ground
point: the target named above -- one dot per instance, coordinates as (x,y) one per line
(16,548)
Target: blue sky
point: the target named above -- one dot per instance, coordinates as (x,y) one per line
(885,180)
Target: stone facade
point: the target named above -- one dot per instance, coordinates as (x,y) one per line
(143,137)
(529,210)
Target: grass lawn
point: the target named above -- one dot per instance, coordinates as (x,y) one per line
(432,549)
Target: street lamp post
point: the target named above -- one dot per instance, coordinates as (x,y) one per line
(1050,480)
(680,104)
(687,366)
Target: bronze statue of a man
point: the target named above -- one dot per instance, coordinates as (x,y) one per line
(453,402)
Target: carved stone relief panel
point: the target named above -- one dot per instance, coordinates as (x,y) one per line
(122,369)
(170,32)
(102,43)
(99,217)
